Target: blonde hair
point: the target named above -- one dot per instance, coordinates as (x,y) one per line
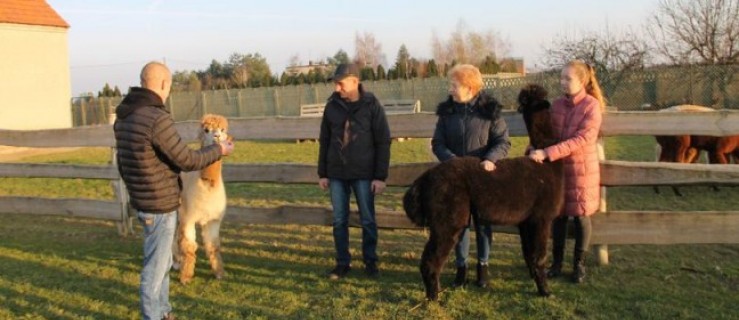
(468,76)
(586,74)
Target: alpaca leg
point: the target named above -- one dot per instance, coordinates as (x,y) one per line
(188,247)
(434,255)
(212,243)
(540,232)
(176,254)
(524,232)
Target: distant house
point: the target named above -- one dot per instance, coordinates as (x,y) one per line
(511,64)
(296,70)
(35,84)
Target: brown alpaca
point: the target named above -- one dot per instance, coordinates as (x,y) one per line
(518,192)
(203,203)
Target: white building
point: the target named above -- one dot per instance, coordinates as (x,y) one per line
(35,84)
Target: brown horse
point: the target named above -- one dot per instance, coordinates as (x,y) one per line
(518,192)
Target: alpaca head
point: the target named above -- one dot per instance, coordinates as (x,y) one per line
(213,129)
(533,104)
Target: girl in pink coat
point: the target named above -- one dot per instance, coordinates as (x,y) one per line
(576,118)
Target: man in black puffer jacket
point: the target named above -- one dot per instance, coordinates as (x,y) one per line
(354,155)
(150,157)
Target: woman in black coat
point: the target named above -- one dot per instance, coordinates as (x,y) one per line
(470,124)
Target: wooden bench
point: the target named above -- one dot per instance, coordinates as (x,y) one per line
(312,110)
(402,106)
(391,107)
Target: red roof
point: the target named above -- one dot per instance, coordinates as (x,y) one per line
(33,12)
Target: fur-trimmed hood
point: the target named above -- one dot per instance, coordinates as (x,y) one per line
(488,107)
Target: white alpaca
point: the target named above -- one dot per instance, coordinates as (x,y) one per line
(203,202)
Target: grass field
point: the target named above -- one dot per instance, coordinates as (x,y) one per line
(68,268)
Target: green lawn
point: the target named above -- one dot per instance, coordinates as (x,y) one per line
(69,268)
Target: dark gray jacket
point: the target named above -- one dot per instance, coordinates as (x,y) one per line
(151,153)
(472,129)
(354,140)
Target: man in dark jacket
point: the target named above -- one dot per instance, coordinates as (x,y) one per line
(354,155)
(150,157)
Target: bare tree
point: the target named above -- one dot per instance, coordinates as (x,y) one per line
(465,46)
(368,51)
(613,55)
(688,31)
(294,60)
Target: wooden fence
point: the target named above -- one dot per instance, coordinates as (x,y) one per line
(610,227)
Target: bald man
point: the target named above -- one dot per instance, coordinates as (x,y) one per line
(150,157)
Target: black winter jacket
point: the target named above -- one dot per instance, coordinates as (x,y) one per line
(355,139)
(471,129)
(151,153)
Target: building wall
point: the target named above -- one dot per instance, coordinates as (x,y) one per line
(35,84)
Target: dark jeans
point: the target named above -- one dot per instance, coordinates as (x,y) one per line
(340,192)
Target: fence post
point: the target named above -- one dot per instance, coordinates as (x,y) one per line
(83,112)
(601,250)
(171,106)
(125,226)
(276,97)
(238,104)
(204,105)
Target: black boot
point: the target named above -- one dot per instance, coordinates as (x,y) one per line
(578,275)
(461,278)
(482,275)
(555,270)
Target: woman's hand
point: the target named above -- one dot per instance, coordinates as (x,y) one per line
(538,155)
(487,165)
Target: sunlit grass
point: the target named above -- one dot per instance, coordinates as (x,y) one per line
(69,268)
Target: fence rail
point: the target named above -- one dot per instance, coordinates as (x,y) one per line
(419,125)
(650,89)
(609,227)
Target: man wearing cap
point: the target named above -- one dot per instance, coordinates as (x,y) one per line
(354,155)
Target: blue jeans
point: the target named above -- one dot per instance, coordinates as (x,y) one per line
(340,192)
(483,237)
(159,232)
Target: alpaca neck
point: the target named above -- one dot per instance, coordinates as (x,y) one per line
(212,173)
(541,134)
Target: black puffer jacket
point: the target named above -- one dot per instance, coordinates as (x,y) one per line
(151,153)
(471,129)
(354,140)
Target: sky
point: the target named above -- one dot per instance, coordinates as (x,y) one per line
(109,41)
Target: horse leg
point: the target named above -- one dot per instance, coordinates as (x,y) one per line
(434,256)
(188,247)
(212,243)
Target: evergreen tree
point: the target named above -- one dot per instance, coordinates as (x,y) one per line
(432,70)
(489,66)
(402,63)
(340,57)
(381,75)
(284,79)
(367,73)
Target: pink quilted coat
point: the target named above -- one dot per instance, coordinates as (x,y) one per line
(577,122)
